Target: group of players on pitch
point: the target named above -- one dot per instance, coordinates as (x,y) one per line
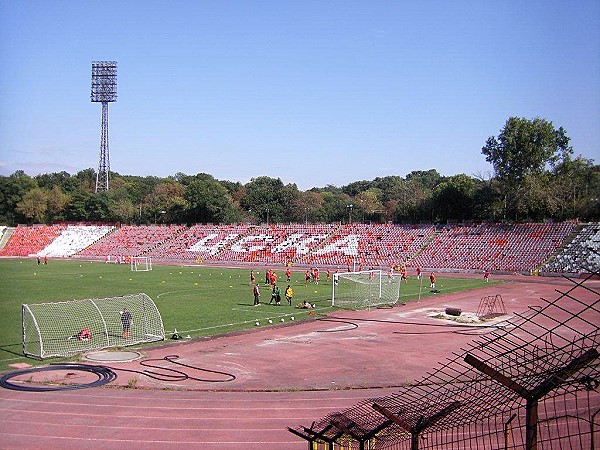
(271,280)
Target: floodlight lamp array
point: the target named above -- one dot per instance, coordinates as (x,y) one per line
(104,81)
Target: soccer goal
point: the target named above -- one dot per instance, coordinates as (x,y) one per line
(141,263)
(68,328)
(365,289)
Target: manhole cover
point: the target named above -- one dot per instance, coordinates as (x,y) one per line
(113,356)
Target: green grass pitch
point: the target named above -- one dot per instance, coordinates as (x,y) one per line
(197,301)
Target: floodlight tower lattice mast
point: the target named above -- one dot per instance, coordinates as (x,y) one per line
(104,90)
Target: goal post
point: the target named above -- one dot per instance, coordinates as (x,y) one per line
(364,289)
(61,329)
(141,263)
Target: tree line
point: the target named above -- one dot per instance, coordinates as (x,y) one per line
(535,178)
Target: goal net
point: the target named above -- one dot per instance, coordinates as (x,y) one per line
(365,289)
(141,263)
(77,326)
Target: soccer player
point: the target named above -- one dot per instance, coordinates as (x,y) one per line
(275,295)
(273,278)
(307,277)
(256,292)
(289,294)
(126,321)
(432,280)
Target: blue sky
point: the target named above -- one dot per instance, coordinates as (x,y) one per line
(312,92)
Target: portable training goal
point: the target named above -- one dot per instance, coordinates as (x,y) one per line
(365,289)
(68,328)
(141,263)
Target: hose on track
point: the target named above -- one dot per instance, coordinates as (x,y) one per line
(105,375)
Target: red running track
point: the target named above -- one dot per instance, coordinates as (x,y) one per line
(284,376)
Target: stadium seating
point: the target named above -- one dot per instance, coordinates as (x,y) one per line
(582,254)
(495,247)
(277,244)
(364,246)
(521,248)
(74,239)
(130,240)
(30,240)
(197,243)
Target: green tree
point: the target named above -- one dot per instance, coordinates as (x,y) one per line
(335,206)
(208,201)
(356,187)
(526,147)
(577,186)
(427,179)
(369,204)
(88,206)
(167,200)
(57,204)
(539,199)
(86,180)
(12,190)
(398,198)
(453,198)
(34,205)
(269,200)
(523,150)
(488,203)
(306,206)
(49,180)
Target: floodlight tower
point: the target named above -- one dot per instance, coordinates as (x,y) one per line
(104,90)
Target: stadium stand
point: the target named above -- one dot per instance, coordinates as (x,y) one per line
(29,240)
(74,239)
(581,254)
(277,244)
(364,246)
(130,240)
(509,248)
(196,243)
